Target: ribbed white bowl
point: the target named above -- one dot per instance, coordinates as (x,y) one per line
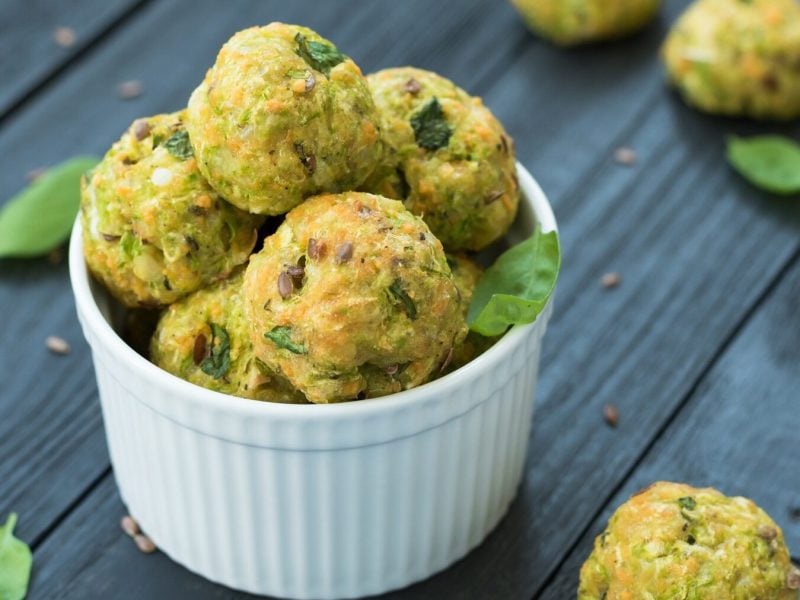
(317,501)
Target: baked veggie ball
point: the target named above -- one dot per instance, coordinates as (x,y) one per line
(582,21)
(282,115)
(153,229)
(205,339)
(733,57)
(352,297)
(466,274)
(674,541)
(447,158)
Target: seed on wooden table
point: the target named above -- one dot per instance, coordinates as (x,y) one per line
(129,526)
(610,280)
(625,156)
(129,89)
(64,36)
(57,345)
(344,252)
(611,415)
(285,285)
(144,543)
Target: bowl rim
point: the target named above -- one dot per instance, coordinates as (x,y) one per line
(92,319)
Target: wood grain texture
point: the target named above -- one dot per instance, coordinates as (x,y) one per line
(31,55)
(697,249)
(739,432)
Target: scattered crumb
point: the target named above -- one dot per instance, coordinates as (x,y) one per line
(57,345)
(130,526)
(34,174)
(611,415)
(144,543)
(625,156)
(64,36)
(610,280)
(129,89)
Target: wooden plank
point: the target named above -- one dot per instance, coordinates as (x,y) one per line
(31,54)
(52,440)
(738,433)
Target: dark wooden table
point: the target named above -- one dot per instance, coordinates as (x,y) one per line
(698,348)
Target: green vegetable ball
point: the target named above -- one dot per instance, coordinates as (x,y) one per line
(673,541)
(153,229)
(466,274)
(572,22)
(448,158)
(205,339)
(352,297)
(282,115)
(738,58)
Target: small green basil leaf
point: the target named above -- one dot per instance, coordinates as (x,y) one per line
(319,55)
(516,288)
(218,362)
(431,130)
(770,162)
(179,146)
(15,563)
(687,503)
(281,336)
(400,297)
(40,217)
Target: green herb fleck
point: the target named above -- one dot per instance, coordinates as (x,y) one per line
(218,362)
(179,146)
(431,130)
(516,288)
(399,296)
(297,73)
(130,245)
(770,162)
(687,503)
(41,216)
(319,55)
(15,562)
(281,336)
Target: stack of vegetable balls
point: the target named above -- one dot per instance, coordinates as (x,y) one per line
(353,295)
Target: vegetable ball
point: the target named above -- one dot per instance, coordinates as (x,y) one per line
(282,115)
(205,339)
(153,229)
(582,21)
(352,297)
(448,158)
(738,58)
(675,541)
(466,274)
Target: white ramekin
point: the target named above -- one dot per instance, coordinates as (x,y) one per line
(317,501)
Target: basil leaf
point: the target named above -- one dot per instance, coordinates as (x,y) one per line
(517,286)
(400,297)
(218,362)
(431,130)
(770,162)
(15,562)
(40,217)
(179,146)
(281,336)
(319,55)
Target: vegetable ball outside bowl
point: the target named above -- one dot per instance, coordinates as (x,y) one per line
(153,229)
(675,541)
(318,501)
(738,58)
(573,22)
(446,157)
(282,115)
